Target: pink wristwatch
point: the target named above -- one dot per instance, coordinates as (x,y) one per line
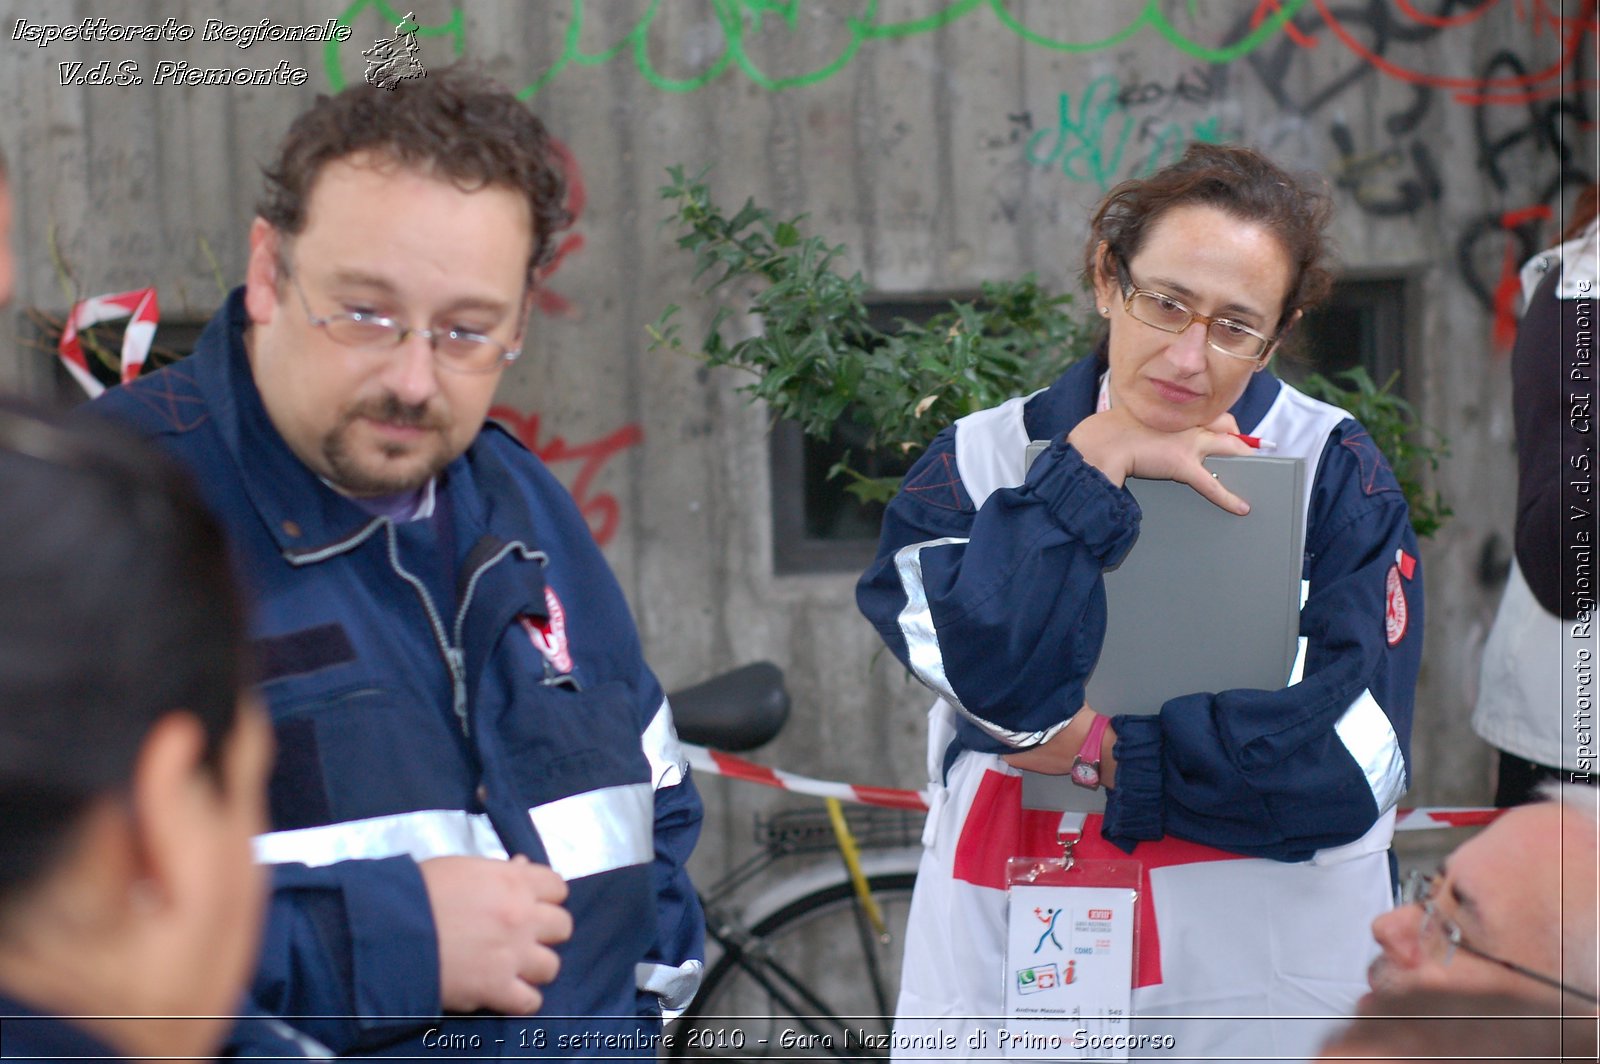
(1086,766)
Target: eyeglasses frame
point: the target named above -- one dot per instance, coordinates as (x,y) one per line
(1421,888)
(1130,290)
(401,333)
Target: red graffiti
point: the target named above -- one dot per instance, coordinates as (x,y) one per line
(550,303)
(1551,81)
(1445,21)
(1510,283)
(602,510)
(1294,33)
(1554,80)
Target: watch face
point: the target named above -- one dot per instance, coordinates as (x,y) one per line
(1085,774)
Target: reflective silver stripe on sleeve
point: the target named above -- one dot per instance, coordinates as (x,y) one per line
(421,835)
(583,834)
(667,764)
(922,644)
(1366,732)
(598,831)
(675,986)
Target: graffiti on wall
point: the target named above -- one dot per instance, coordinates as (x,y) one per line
(1100,140)
(546,299)
(739,33)
(1530,100)
(1526,117)
(735,33)
(599,508)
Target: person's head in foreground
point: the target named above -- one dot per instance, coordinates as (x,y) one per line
(391,271)
(133,763)
(1511,911)
(1441,1025)
(1224,234)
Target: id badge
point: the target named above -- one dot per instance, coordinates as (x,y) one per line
(1070,940)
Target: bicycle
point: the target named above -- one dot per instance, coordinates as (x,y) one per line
(811,966)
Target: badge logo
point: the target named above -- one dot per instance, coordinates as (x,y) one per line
(549,634)
(1048,917)
(1396,614)
(1036,979)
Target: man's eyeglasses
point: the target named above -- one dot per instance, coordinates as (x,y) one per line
(1420,889)
(1161,311)
(453,349)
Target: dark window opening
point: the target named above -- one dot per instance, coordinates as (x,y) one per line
(1367,322)
(817,525)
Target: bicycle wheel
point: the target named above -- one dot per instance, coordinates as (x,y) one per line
(812,980)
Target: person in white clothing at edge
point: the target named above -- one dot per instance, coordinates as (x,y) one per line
(1262,819)
(1525,707)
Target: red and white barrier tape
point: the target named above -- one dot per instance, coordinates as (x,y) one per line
(717,763)
(140,305)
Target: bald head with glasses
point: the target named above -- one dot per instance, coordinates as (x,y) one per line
(1511,911)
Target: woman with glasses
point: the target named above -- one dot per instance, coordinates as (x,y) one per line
(1262,818)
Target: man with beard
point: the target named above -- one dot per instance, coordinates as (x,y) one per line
(468,733)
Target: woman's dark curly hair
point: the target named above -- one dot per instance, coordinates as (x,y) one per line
(454,123)
(1239,182)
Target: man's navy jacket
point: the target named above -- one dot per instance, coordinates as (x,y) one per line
(469,683)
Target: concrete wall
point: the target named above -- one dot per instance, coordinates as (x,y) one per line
(946,143)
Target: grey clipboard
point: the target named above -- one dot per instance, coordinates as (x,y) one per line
(1205,600)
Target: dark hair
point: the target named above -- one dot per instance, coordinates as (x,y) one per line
(1239,182)
(453,123)
(117,606)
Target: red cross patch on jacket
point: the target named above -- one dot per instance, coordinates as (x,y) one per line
(549,634)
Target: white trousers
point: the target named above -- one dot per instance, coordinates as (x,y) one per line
(1257,958)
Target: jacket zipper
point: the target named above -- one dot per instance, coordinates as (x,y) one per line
(455,658)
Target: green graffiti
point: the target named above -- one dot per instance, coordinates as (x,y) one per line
(741,20)
(1078,145)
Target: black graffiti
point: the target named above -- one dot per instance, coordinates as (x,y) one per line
(1360,173)
(1538,132)
(1198,85)
(1514,144)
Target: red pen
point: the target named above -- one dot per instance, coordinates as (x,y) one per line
(1255,441)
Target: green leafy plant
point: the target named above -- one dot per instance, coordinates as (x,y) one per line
(1414,449)
(819,360)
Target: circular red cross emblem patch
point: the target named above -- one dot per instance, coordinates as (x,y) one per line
(1396,615)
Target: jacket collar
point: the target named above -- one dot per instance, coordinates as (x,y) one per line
(1258,397)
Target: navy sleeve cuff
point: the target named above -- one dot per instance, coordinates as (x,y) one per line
(1133,806)
(1101,516)
(394,944)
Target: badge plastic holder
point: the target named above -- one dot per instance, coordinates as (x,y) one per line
(1071,944)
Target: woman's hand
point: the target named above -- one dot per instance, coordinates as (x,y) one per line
(1055,757)
(1121,447)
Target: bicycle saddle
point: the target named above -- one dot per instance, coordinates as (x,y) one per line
(738,710)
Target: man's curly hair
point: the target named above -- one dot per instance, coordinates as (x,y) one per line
(455,123)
